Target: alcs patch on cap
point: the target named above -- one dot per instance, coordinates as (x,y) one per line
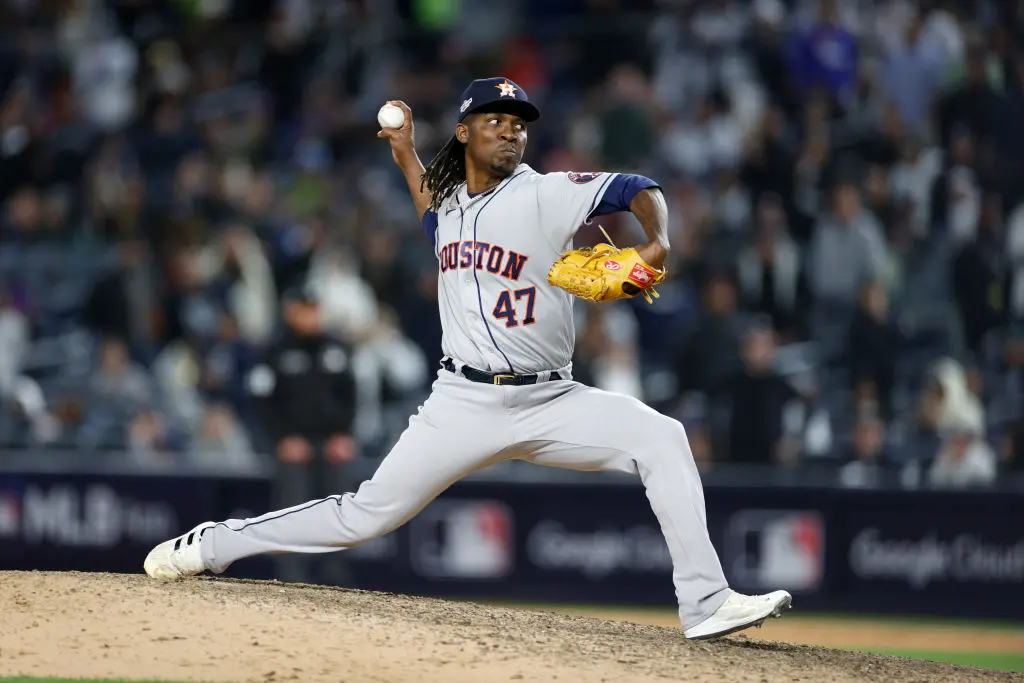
(582,178)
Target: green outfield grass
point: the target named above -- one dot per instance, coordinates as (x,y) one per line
(984,660)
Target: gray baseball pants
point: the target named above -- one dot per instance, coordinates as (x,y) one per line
(465,426)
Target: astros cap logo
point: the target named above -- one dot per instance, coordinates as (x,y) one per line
(507,89)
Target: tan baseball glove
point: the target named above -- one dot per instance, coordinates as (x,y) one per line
(604,273)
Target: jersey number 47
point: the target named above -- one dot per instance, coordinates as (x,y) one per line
(504,310)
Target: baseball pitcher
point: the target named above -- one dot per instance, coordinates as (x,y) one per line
(507,275)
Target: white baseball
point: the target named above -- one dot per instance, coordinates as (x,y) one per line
(390,116)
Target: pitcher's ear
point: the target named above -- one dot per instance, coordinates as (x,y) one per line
(462,133)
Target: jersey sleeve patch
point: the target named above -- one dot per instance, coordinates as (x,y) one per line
(582,178)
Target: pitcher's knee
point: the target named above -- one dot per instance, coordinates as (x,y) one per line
(665,441)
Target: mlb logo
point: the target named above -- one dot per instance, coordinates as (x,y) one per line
(10,515)
(463,539)
(772,549)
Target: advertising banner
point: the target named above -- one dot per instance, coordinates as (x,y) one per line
(952,553)
(108,523)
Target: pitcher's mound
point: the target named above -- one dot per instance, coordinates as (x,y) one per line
(205,629)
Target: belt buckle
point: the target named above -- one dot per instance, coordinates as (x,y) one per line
(497,378)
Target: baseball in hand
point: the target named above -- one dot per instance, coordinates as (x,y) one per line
(390,116)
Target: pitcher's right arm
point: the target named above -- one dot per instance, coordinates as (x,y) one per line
(403,149)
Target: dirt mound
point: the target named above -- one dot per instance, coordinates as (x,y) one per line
(112,625)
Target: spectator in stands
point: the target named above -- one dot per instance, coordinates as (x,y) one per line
(240,162)
(708,143)
(382,266)
(607,356)
(22,220)
(120,381)
(911,178)
(628,133)
(306,402)
(846,251)
(347,303)
(766,45)
(391,373)
(710,357)
(972,103)
(768,168)
(122,303)
(945,403)
(1006,134)
(867,460)
(875,344)
(21,139)
(14,341)
(1012,448)
(1013,351)
(154,443)
(220,442)
(879,199)
(979,275)
(826,55)
(166,136)
(910,75)
(116,194)
(759,395)
(956,192)
(771,272)
(965,458)
(691,410)
(25,418)
(241,269)
(224,363)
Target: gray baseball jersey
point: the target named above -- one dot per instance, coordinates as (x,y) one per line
(498,312)
(500,315)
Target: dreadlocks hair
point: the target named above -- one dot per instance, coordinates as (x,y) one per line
(445,172)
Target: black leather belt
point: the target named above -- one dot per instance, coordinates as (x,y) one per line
(498,378)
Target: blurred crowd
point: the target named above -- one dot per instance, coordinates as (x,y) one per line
(208,258)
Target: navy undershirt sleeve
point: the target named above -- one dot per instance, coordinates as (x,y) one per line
(620,193)
(430,226)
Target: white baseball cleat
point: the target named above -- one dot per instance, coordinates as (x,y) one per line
(177,557)
(739,612)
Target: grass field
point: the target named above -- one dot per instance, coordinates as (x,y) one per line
(985,660)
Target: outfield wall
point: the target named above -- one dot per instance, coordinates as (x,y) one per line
(923,552)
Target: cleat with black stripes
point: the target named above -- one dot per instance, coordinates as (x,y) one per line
(178,557)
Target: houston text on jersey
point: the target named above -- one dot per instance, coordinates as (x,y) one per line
(483,256)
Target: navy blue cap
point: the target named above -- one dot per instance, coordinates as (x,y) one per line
(497,95)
